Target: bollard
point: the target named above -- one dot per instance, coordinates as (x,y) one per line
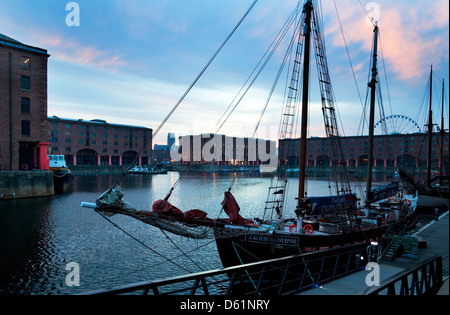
(436,216)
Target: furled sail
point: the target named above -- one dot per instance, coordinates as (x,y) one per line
(193,223)
(332,204)
(384,191)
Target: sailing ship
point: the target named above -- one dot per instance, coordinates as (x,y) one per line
(322,222)
(433,193)
(319,222)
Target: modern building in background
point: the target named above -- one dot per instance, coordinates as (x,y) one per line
(170,139)
(23,106)
(97,142)
(161,153)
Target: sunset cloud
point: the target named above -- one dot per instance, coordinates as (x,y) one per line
(413,35)
(131,61)
(72,51)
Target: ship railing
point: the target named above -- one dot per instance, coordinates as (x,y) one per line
(281,276)
(425,279)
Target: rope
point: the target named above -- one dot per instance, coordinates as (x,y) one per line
(304,262)
(203,70)
(259,259)
(187,91)
(183,253)
(280,71)
(242,263)
(140,242)
(348,54)
(269,53)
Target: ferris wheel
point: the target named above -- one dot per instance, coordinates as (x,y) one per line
(396,124)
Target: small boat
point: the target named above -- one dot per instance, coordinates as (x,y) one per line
(267,169)
(61,173)
(430,197)
(145,170)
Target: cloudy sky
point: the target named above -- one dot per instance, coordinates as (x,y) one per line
(129,62)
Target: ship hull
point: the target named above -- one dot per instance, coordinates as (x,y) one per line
(258,246)
(432,199)
(61,179)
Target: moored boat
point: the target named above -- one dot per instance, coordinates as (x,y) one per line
(61,173)
(146,170)
(433,192)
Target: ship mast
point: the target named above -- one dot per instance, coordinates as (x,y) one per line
(430,131)
(372,85)
(304,124)
(441,165)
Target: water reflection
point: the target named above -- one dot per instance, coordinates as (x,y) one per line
(39,237)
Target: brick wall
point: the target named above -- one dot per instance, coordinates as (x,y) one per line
(14,72)
(110,142)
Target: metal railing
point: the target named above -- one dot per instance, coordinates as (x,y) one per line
(426,279)
(282,276)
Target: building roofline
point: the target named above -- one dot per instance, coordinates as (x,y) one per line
(97,122)
(11,42)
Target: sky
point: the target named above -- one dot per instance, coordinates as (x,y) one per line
(129,62)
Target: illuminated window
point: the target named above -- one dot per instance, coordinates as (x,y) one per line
(25,63)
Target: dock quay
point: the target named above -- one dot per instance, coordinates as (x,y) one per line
(25,184)
(429,270)
(436,235)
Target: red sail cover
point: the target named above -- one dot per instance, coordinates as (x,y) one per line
(229,204)
(197,214)
(232,208)
(165,207)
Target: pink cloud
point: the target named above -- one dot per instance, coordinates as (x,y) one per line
(413,35)
(75,52)
(87,55)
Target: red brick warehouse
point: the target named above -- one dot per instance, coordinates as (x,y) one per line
(23,105)
(97,142)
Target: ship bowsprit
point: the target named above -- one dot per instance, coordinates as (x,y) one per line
(193,224)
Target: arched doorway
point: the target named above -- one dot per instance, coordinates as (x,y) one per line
(323,160)
(87,157)
(363,160)
(407,161)
(129,157)
(292,161)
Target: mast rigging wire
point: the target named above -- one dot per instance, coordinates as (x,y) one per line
(143,244)
(270,51)
(203,70)
(132,164)
(348,53)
